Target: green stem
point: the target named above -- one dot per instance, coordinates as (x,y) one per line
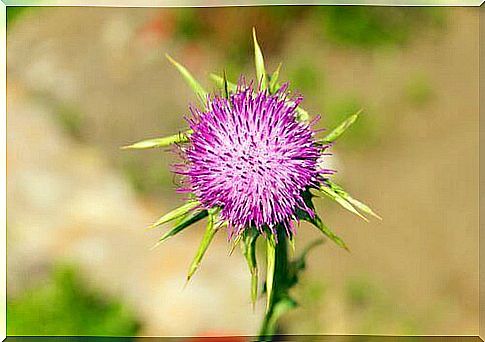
(269,325)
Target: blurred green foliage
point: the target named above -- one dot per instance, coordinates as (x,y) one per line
(68,115)
(364,26)
(14,12)
(366,304)
(360,292)
(375,308)
(353,26)
(418,90)
(305,78)
(374,26)
(316,290)
(188,25)
(63,305)
(70,119)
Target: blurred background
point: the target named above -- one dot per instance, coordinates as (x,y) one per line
(84,81)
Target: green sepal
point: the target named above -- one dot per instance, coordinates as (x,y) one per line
(235,243)
(273,80)
(248,245)
(359,205)
(186,222)
(182,137)
(332,194)
(259,63)
(317,222)
(176,213)
(209,234)
(219,81)
(340,129)
(225,86)
(191,81)
(270,268)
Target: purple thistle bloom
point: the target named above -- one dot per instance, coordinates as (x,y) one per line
(249,156)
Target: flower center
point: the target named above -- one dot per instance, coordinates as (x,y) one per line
(249,164)
(251,157)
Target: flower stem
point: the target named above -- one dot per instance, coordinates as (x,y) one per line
(280,287)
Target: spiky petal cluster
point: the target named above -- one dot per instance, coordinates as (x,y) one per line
(249,156)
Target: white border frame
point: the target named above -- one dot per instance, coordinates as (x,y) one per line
(3,172)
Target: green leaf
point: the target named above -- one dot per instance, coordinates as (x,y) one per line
(191,81)
(340,129)
(182,137)
(317,222)
(273,81)
(249,250)
(210,231)
(259,62)
(176,213)
(270,269)
(359,205)
(186,222)
(331,193)
(219,81)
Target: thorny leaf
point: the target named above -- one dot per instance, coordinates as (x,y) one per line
(259,63)
(186,222)
(340,129)
(226,87)
(249,250)
(219,81)
(179,138)
(273,81)
(359,205)
(176,213)
(270,268)
(329,192)
(317,222)
(191,81)
(209,234)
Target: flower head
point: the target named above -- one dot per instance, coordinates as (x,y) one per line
(250,160)
(250,156)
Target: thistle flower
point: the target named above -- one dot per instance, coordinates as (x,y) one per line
(250,156)
(252,161)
